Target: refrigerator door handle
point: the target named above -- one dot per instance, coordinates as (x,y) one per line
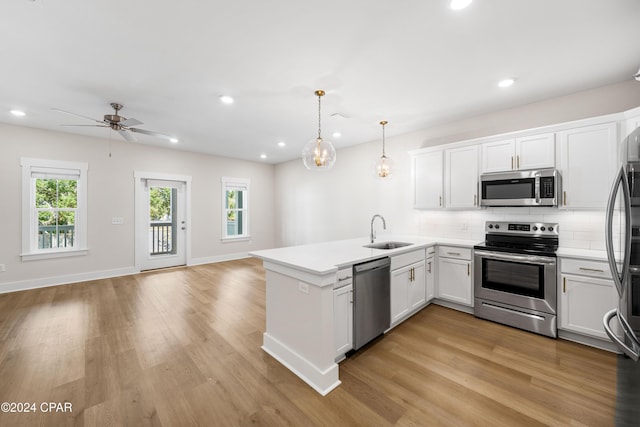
(619,279)
(634,351)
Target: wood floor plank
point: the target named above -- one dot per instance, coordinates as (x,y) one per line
(182,346)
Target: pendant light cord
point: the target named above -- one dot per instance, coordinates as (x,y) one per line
(319,98)
(383,154)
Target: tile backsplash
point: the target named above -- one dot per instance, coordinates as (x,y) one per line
(577,229)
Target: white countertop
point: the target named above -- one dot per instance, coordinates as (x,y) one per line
(328,257)
(585,254)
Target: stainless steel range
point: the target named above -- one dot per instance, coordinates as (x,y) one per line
(515,275)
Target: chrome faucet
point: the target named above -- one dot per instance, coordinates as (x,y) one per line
(384,225)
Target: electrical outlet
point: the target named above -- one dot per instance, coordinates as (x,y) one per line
(303,287)
(117,220)
(2,268)
(465,226)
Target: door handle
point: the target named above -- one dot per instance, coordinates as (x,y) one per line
(468,269)
(564,285)
(183,228)
(511,162)
(518,161)
(429,266)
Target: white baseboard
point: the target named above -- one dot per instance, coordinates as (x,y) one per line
(219,258)
(45,282)
(321,381)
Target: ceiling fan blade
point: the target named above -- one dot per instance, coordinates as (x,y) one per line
(78,115)
(127,136)
(148,132)
(91,126)
(131,122)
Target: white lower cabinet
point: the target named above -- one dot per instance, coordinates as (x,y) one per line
(343,315)
(408,285)
(455,275)
(586,294)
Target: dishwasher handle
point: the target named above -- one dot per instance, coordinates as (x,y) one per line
(372,265)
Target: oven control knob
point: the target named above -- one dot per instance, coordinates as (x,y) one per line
(497,226)
(535,228)
(490,225)
(550,228)
(542,228)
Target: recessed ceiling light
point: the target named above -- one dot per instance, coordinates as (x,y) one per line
(506,82)
(459,4)
(173,140)
(226,99)
(18,113)
(281,144)
(336,135)
(263,156)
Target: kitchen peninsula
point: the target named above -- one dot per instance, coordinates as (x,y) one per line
(300,300)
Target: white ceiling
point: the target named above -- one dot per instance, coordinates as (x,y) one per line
(415,63)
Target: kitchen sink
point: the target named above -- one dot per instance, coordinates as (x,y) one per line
(387,245)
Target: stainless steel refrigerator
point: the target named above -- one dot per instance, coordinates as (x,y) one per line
(625,211)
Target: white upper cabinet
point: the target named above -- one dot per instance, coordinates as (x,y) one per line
(588,159)
(427,179)
(528,152)
(633,150)
(461,177)
(498,156)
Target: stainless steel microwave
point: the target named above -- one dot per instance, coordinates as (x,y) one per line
(523,188)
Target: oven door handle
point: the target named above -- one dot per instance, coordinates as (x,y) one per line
(528,259)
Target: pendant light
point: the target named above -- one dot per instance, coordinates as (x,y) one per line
(383,166)
(319,154)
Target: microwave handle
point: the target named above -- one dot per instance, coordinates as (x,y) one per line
(537,189)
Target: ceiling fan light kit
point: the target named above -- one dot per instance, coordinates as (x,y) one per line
(319,154)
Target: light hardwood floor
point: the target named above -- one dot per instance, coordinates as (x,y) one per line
(182,347)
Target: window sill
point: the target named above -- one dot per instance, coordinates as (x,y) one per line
(235,239)
(34,256)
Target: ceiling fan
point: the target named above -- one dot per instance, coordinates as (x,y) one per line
(120,124)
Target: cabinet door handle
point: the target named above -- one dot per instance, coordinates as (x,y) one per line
(468,269)
(440,200)
(595,270)
(518,161)
(511,162)
(564,198)
(453,253)
(429,266)
(564,285)
(475,200)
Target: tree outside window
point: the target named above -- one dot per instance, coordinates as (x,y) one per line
(56,206)
(235,198)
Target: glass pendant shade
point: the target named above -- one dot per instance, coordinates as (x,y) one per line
(319,154)
(383,166)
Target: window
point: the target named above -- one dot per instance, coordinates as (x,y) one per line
(54,206)
(235,208)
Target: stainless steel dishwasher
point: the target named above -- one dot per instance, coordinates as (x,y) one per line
(371,300)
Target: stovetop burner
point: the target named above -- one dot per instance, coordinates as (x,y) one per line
(534,238)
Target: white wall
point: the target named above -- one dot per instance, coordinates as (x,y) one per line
(111,194)
(339,203)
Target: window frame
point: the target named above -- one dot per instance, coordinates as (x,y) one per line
(229,183)
(30,250)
